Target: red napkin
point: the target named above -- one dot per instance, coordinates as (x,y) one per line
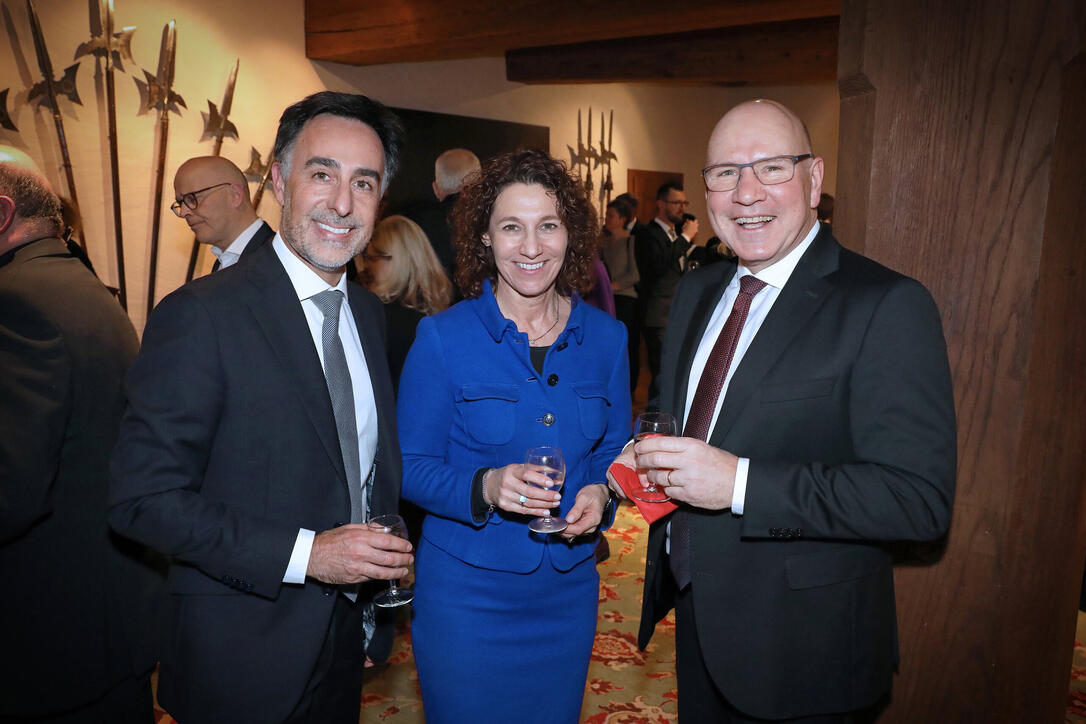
(626,477)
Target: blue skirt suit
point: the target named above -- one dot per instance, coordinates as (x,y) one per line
(504,618)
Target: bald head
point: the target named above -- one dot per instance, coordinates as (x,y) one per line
(29,209)
(223,209)
(450,170)
(762,222)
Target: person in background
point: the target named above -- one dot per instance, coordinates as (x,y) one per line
(401,268)
(451,169)
(522,362)
(212,196)
(617,250)
(78,609)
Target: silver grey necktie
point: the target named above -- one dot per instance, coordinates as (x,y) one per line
(338,378)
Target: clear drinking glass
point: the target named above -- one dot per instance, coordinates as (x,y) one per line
(549,461)
(395,595)
(653,424)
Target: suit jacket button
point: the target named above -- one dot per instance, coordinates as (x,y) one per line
(548,419)
(552,380)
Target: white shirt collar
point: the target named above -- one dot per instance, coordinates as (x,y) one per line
(778,273)
(237,246)
(306,281)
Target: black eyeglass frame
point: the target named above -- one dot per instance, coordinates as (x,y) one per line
(175,207)
(740,166)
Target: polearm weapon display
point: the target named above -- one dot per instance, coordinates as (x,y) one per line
(260,173)
(607,155)
(217,125)
(5,119)
(45,93)
(590,155)
(157,92)
(111,47)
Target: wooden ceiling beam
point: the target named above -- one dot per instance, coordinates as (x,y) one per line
(797,51)
(395,31)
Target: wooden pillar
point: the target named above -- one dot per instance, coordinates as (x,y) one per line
(963,163)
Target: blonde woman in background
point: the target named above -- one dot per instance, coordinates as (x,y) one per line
(401,268)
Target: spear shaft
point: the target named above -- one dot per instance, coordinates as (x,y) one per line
(46,67)
(165,78)
(106,13)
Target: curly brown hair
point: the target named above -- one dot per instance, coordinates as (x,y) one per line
(471,219)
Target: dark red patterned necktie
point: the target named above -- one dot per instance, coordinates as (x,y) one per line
(702,408)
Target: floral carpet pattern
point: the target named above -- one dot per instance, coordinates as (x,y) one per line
(625,686)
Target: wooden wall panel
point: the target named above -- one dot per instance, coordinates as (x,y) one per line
(970,141)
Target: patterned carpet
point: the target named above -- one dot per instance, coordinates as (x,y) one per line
(625,686)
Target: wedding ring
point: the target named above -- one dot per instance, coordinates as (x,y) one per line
(669,472)
(523,499)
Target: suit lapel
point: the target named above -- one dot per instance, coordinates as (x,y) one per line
(275,306)
(799,300)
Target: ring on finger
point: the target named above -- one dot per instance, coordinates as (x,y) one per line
(669,472)
(523,499)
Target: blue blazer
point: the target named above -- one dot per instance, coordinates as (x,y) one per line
(470,398)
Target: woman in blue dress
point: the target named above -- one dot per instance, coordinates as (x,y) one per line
(504,618)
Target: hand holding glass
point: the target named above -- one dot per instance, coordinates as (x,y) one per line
(549,461)
(394,596)
(653,424)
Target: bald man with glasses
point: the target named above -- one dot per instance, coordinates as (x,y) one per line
(212,196)
(813,394)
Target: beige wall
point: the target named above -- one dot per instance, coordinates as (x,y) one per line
(657,127)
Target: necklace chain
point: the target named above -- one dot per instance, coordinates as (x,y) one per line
(556,315)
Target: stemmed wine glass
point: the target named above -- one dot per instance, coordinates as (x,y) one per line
(653,424)
(395,595)
(549,461)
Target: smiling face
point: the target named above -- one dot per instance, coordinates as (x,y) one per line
(761,224)
(528,240)
(330,189)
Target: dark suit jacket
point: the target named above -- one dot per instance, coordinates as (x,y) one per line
(658,264)
(433,218)
(228,447)
(843,404)
(78,602)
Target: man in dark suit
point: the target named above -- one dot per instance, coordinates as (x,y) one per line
(212,196)
(813,393)
(661,253)
(450,171)
(78,604)
(261,433)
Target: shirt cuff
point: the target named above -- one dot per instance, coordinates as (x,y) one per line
(739,492)
(480,509)
(299,557)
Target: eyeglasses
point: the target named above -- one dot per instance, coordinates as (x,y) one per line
(678,203)
(190,199)
(769,171)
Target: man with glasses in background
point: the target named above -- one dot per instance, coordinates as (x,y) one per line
(814,398)
(661,248)
(212,196)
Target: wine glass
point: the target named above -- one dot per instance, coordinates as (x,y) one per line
(547,460)
(653,424)
(395,595)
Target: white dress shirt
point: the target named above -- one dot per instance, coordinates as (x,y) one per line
(307,284)
(232,252)
(775,277)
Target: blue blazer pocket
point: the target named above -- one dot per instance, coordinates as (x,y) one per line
(489,411)
(592,404)
(826,568)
